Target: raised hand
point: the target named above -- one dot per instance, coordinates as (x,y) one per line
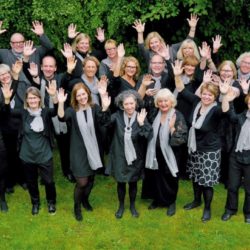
(164,51)
(38,28)
(216,43)
(147,80)
(141,117)
(216,79)
(244,85)
(7,92)
(120,50)
(102,85)
(230,95)
(100,34)
(61,96)
(28,49)
(151,92)
(139,26)
(205,51)
(106,100)
(192,22)
(67,50)
(33,69)
(72,33)
(177,68)
(2,30)
(51,89)
(224,86)
(207,76)
(17,67)
(71,64)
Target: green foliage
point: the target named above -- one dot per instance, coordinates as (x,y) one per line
(229,18)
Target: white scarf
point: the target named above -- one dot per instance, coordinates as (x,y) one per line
(37,124)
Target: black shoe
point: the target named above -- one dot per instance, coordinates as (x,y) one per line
(35,209)
(247,219)
(9,190)
(52,208)
(119,212)
(153,205)
(3,206)
(206,215)
(87,205)
(78,212)
(227,216)
(171,210)
(134,212)
(192,205)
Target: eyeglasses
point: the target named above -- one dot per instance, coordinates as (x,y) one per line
(157,63)
(18,43)
(109,49)
(33,98)
(130,67)
(226,71)
(246,63)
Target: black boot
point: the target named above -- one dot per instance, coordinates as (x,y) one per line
(3,205)
(197,189)
(119,212)
(206,215)
(133,210)
(171,209)
(78,212)
(86,193)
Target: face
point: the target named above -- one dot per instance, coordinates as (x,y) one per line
(226,72)
(129,105)
(189,69)
(164,104)
(130,69)
(83,45)
(5,78)
(154,44)
(111,51)
(90,69)
(188,50)
(82,97)
(245,65)
(157,65)
(17,42)
(33,101)
(207,97)
(48,67)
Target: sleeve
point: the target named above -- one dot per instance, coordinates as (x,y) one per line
(103,117)
(189,96)
(146,130)
(99,51)
(144,52)
(233,117)
(46,45)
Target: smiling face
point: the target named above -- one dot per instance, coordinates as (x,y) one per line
(5,77)
(82,97)
(245,65)
(33,101)
(90,69)
(48,67)
(83,45)
(130,69)
(129,105)
(188,50)
(207,97)
(157,65)
(111,51)
(164,104)
(154,44)
(189,69)
(226,72)
(17,42)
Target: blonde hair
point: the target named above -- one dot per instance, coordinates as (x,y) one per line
(110,42)
(183,45)
(210,87)
(80,37)
(92,59)
(190,60)
(231,65)
(165,94)
(151,35)
(241,57)
(33,91)
(125,62)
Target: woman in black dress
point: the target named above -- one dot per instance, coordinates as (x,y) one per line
(83,117)
(127,153)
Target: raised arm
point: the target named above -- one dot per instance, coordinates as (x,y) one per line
(192,22)
(62,97)
(2,30)
(121,54)
(178,69)
(16,69)
(139,27)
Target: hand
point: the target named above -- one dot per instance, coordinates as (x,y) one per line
(172,121)
(72,33)
(7,92)
(207,76)
(231,95)
(71,64)
(216,43)
(61,96)
(67,52)
(2,31)
(151,92)
(205,51)
(17,67)
(244,85)
(102,85)
(33,69)
(139,26)
(147,80)
(120,50)
(177,68)
(38,28)
(51,89)
(112,67)
(141,117)
(192,22)
(224,86)
(164,51)
(28,49)
(100,34)
(216,79)
(106,100)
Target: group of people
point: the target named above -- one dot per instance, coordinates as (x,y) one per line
(189,115)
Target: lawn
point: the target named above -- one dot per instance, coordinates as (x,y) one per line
(101,230)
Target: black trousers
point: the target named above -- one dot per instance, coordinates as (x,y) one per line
(236,172)
(46,172)
(3,169)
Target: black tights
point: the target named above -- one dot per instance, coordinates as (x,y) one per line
(121,191)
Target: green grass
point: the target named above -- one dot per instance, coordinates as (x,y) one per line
(101,230)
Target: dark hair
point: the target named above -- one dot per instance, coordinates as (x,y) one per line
(125,94)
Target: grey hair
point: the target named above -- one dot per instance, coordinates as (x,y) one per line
(4,68)
(240,58)
(165,94)
(128,93)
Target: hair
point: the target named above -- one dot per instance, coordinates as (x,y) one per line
(49,56)
(110,42)
(247,98)
(153,35)
(241,57)
(190,60)
(124,64)
(165,94)
(157,55)
(183,45)
(14,34)
(213,89)
(4,68)
(92,59)
(73,101)
(128,93)
(80,37)
(36,92)
(231,65)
